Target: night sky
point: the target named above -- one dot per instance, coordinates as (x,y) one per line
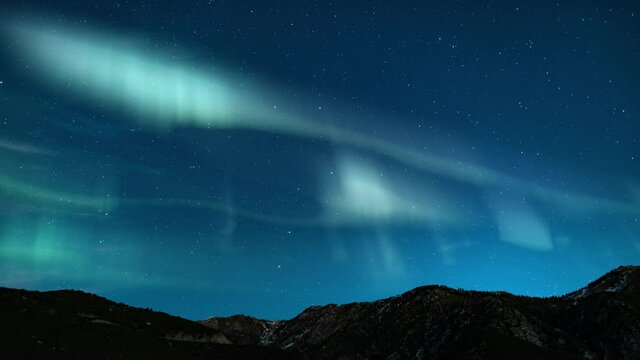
(260,157)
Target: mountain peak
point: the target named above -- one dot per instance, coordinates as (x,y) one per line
(623,279)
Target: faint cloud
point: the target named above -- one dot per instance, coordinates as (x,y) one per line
(519,224)
(391,259)
(25,148)
(635,190)
(339,253)
(449,248)
(385,260)
(562,241)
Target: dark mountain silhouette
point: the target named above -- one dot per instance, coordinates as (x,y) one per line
(599,321)
(71,324)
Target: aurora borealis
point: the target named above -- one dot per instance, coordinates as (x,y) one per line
(245,157)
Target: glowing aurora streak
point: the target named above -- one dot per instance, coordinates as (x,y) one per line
(30,193)
(362,195)
(39,196)
(125,76)
(165,94)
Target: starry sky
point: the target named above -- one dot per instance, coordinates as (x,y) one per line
(257,157)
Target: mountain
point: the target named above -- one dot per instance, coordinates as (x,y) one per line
(71,324)
(599,321)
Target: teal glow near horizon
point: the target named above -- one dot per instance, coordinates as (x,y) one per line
(38,250)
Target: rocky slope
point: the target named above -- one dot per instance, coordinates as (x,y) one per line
(76,325)
(600,321)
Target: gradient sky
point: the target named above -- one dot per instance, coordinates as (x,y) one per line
(255,157)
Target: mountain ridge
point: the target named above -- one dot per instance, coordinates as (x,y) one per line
(539,325)
(598,321)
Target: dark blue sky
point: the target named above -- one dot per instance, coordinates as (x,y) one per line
(250,157)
